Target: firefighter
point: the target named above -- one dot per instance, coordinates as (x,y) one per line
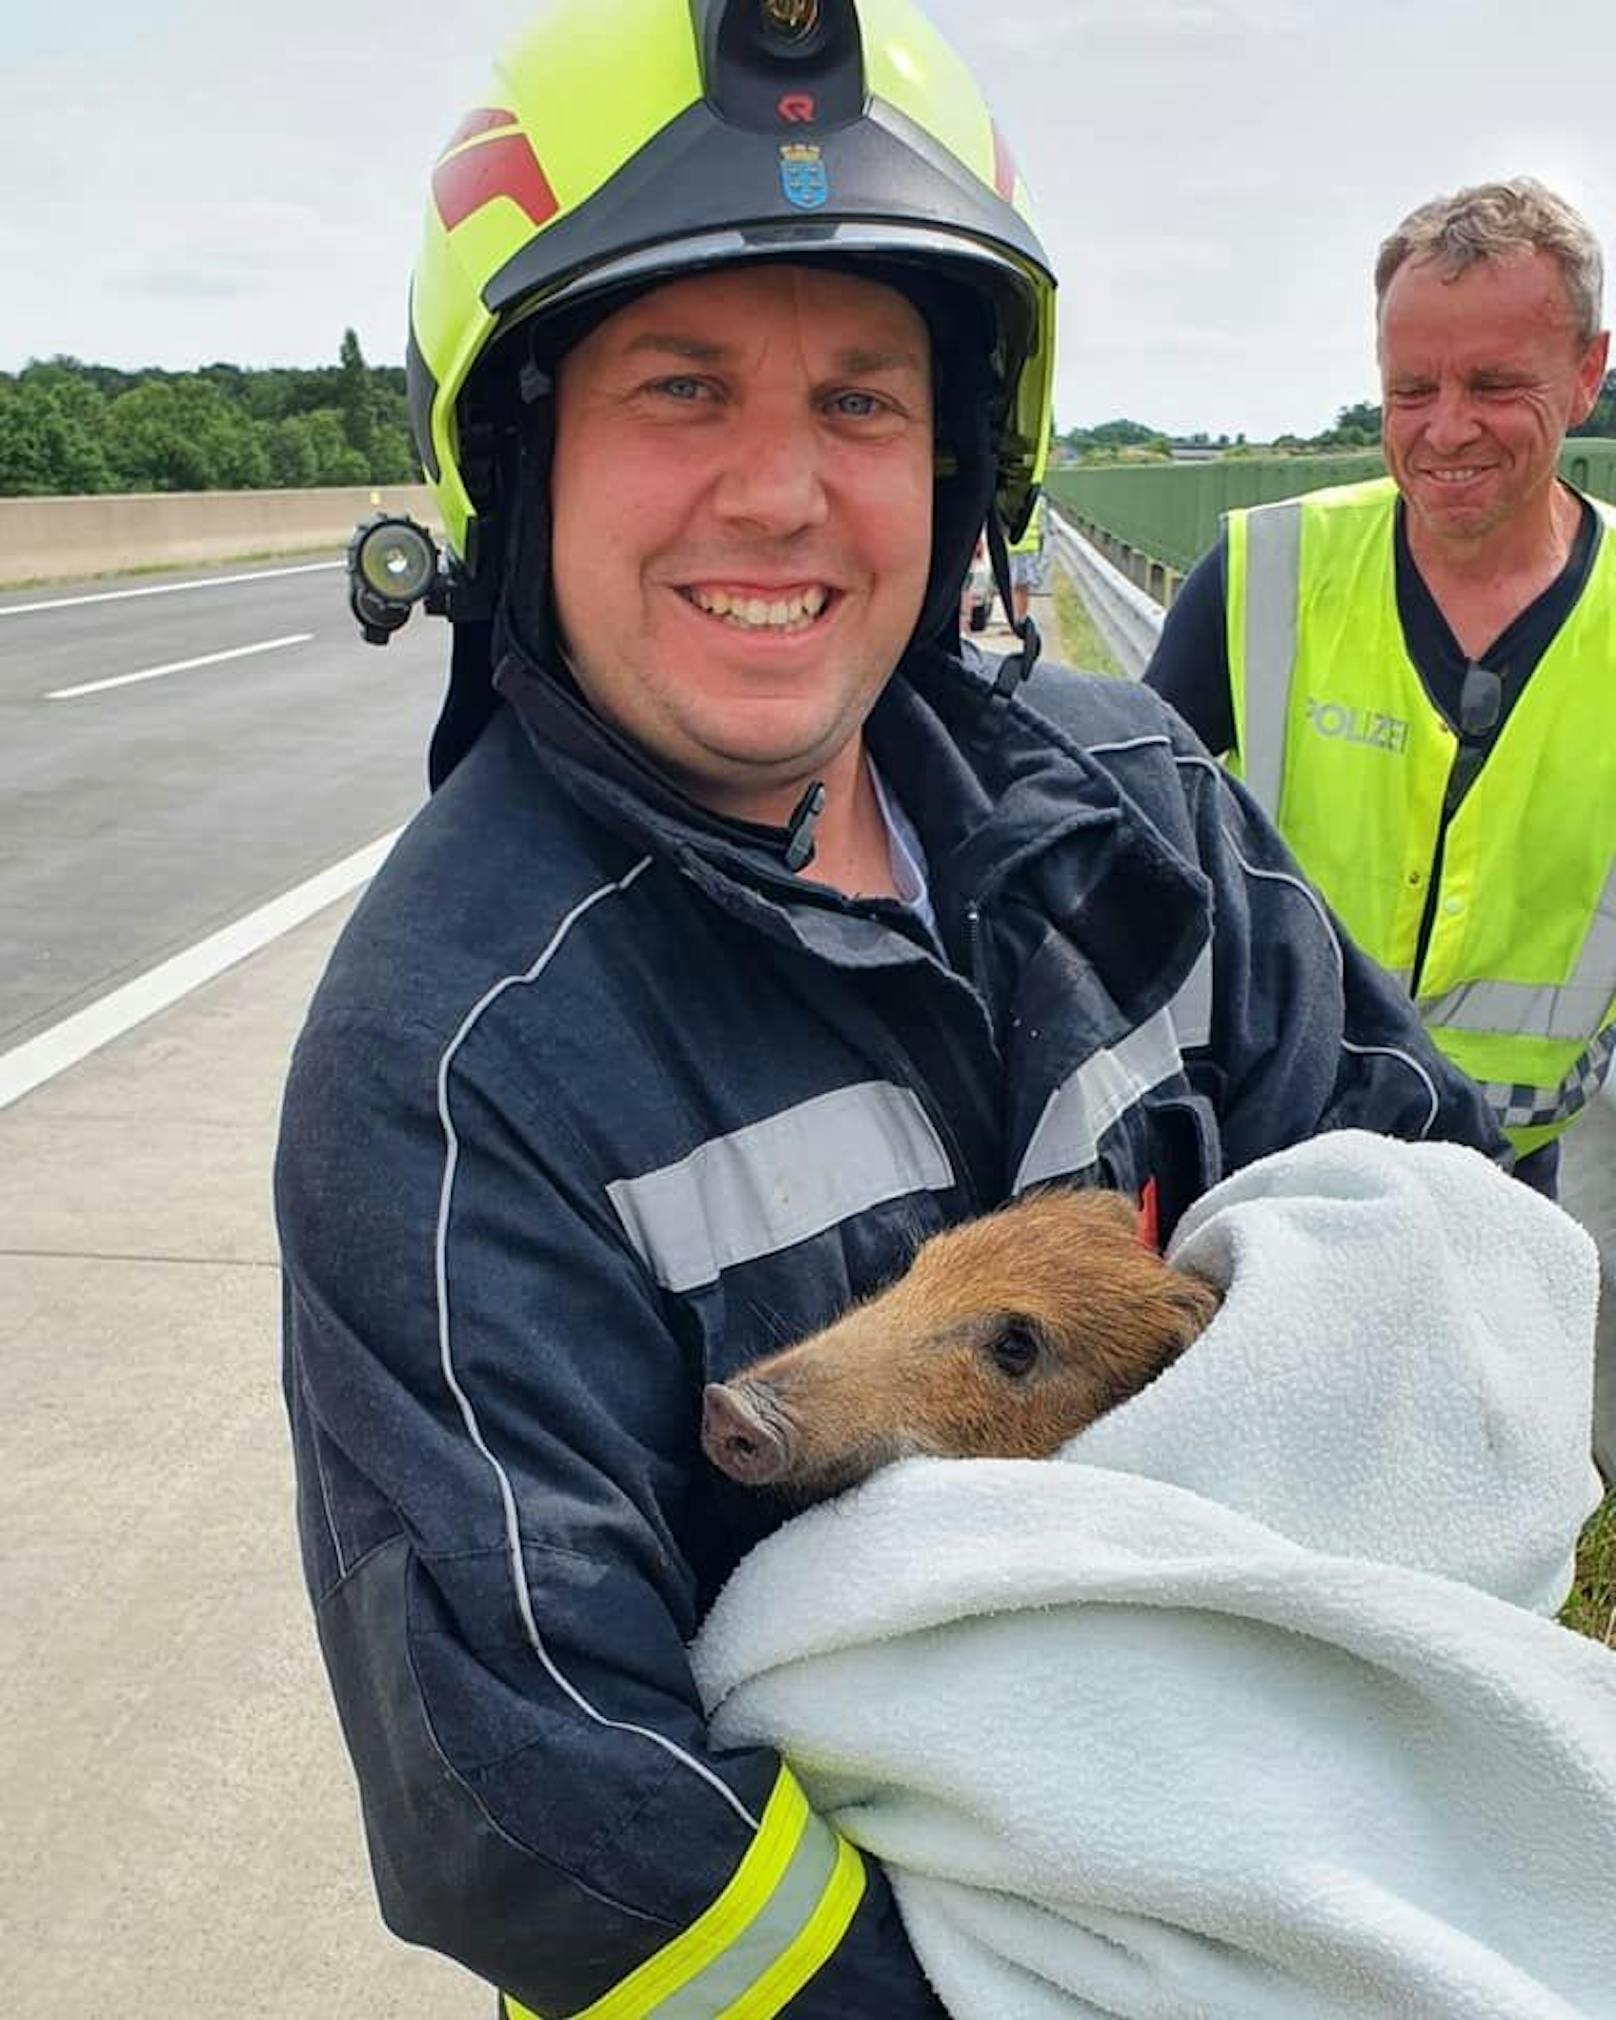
(756,927)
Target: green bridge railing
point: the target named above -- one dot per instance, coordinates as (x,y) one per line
(1168,512)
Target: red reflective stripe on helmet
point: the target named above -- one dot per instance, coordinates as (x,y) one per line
(1004,166)
(504,166)
(483,120)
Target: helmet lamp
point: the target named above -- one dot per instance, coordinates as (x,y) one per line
(393,564)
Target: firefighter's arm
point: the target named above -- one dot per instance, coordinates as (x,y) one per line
(495,1442)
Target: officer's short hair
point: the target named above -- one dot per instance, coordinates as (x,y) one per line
(1495,220)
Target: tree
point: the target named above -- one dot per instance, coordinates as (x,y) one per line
(356,399)
(336,459)
(183,435)
(1103,442)
(294,463)
(1364,416)
(392,456)
(1126,434)
(50,436)
(70,426)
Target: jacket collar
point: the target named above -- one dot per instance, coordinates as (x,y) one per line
(994,790)
(957,752)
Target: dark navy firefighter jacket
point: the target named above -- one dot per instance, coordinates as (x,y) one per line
(595,1103)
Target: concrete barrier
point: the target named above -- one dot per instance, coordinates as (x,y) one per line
(66,539)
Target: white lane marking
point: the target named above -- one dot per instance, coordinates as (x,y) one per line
(178,666)
(40,1059)
(164,588)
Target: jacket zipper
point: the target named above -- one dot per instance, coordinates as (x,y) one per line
(973,948)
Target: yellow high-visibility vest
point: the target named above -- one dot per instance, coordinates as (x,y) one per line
(1339,741)
(1032,539)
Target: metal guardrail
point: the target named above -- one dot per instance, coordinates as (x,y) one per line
(1127,619)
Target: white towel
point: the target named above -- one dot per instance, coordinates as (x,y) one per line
(1245,1708)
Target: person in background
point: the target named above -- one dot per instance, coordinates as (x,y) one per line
(1414,675)
(756,927)
(1027,564)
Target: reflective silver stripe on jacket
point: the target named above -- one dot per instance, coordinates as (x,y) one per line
(776,1182)
(1565,1010)
(1518,1107)
(1108,1083)
(1191,1008)
(1273,577)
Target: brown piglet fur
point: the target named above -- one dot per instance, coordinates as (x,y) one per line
(1005,1337)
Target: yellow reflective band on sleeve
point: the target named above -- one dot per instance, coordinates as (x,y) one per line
(787,1906)
(814,1941)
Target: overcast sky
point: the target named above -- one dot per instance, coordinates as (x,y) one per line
(186,181)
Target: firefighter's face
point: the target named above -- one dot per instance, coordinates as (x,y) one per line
(741,508)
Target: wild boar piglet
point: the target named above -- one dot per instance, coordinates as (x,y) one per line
(1005,1337)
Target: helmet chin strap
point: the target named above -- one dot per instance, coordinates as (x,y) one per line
(522,620)
(1017,665)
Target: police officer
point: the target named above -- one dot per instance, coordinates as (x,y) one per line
(750,934)
(1413,675)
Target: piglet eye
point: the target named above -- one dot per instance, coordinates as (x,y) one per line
(1014,1351)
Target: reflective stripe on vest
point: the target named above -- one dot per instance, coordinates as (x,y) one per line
(786,1908)
(1272,579)
(1341,745)
(1566,1010)
(1531,1116)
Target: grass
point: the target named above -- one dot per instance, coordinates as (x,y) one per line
(1081,645)
(1591,1609)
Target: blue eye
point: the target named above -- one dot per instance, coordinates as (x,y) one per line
(681,389)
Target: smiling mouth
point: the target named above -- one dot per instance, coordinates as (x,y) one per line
(799,611)
(1465,475)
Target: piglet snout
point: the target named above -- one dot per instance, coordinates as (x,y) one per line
(738,1440)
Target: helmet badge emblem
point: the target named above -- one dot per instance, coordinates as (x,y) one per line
(793,19)
(803,176)
(797,108)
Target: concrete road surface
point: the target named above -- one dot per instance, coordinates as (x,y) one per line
(182,1840)
(181,749)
